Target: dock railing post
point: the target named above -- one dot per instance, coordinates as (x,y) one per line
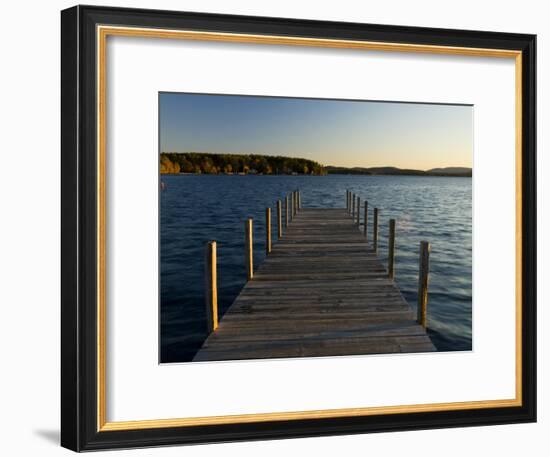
(299,200)
(366,218)
(391,250)
(424,269)
(286,212)
(352,205)
(295,203)
(358,210)
(375,230)
(292,206)
(211,286)
(346,199)
(248,249)
(279,220)
(268,230)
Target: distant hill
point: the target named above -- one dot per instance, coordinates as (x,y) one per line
(209,163)
(449,171)
(452,171)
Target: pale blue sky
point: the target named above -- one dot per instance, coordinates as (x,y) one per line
(332,132)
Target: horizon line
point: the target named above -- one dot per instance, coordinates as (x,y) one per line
(311,160)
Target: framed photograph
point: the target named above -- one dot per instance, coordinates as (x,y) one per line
(282,228)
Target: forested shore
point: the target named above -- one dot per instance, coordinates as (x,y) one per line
(206,163)
(257,164)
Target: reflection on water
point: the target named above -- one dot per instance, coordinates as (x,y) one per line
(195,209)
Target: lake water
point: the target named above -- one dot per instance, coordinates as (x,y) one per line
(198,208)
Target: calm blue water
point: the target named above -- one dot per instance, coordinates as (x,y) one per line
(195,209)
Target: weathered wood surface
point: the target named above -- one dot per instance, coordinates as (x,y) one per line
(211,286)
(321,292)
(423,283)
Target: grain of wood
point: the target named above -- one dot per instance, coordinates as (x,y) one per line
(279,220)
(366,219)
(286,212)
(211,286)
(268,231)
(424,269)
(249,249)
(391,250)
(375,229)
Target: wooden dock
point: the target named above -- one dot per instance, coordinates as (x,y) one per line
(322,291)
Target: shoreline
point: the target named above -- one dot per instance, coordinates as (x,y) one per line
(427,175)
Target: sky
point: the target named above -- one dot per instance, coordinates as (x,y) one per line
(331,132)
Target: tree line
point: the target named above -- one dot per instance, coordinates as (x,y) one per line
(207,163)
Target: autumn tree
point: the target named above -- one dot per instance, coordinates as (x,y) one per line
(194,162)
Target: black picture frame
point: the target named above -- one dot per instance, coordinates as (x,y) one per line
(79,199)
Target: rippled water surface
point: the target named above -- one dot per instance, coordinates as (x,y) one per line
(195,209)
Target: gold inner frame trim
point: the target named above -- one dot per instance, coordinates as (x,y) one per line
(101,36)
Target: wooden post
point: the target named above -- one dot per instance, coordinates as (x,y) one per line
(295,203)
(279,220)
(289,208)
(299,199)
(391,250)
(292,206)
(352,205)
(375,230)
(358,209)
(248,249)
(211,287)
(286,212)
(268,231)
(366,216)
(347,200)
(423,283)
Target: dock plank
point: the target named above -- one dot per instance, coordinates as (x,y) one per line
(321,292)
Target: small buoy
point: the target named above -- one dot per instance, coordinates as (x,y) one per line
(162,185)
